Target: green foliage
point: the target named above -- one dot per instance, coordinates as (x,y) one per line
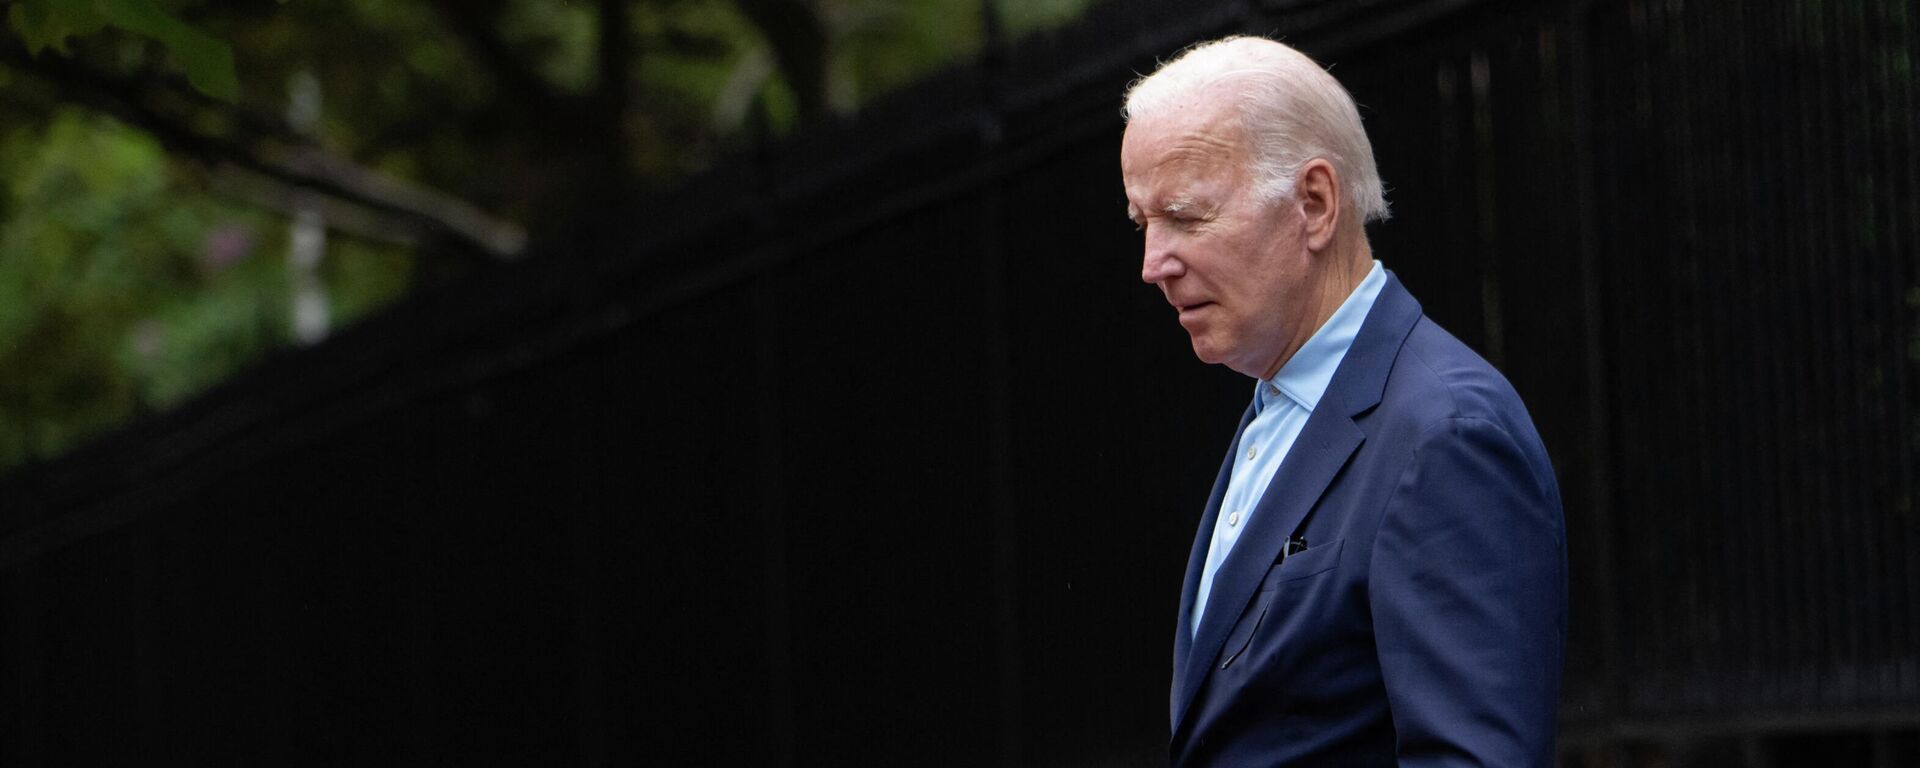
(125,288)
(678,130)
(561,36)
(362,277)
(883,45)
(127,284)
(207,60)
(1023,17)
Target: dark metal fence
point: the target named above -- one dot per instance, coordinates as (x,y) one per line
(873,451)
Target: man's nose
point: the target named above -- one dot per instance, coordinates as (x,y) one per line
(1160,262)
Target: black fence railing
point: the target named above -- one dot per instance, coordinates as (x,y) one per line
(872,450)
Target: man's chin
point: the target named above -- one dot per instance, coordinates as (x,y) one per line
(1207,351)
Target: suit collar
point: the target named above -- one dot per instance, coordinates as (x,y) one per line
(1326,442)
(1307,375)
(1362,376)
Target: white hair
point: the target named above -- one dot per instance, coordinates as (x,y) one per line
(1289,106)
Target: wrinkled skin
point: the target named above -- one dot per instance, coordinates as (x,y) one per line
(1251,279)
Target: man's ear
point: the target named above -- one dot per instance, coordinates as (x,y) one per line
(1318,193)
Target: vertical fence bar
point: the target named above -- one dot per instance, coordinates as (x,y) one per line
(773,521)
(991,252)
(1599,415)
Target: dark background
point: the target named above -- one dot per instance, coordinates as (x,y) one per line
(871,449)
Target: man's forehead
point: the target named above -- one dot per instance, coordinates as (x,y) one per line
(1187,133)
(1167,172)
(1209,111)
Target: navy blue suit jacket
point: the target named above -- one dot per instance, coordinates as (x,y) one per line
(1425,622)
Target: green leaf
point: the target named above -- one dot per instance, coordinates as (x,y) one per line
(44,24)
(208,60)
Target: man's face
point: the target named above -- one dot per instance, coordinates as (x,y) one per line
(1231,264)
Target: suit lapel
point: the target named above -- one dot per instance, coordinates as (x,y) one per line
(1196,563)
(1328,439)
(1322,448)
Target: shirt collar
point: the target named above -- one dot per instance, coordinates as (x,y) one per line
(1306,375)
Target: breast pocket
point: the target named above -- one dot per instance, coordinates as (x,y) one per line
(1311,561)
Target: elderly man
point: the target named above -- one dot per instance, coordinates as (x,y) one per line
(1379,576)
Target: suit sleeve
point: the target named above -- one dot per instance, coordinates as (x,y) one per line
(1467,587)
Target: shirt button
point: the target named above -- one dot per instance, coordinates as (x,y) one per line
(1272,390)
(1233,519)
(1252,451)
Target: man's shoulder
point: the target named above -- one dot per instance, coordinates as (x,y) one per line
(1437,377)
(1439,388)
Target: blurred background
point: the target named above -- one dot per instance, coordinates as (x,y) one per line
(769,382)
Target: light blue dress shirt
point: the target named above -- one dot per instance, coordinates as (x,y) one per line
(1281,406)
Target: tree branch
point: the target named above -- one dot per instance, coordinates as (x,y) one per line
(256,189)
(275,152)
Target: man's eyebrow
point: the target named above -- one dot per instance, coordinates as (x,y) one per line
(1172,208)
